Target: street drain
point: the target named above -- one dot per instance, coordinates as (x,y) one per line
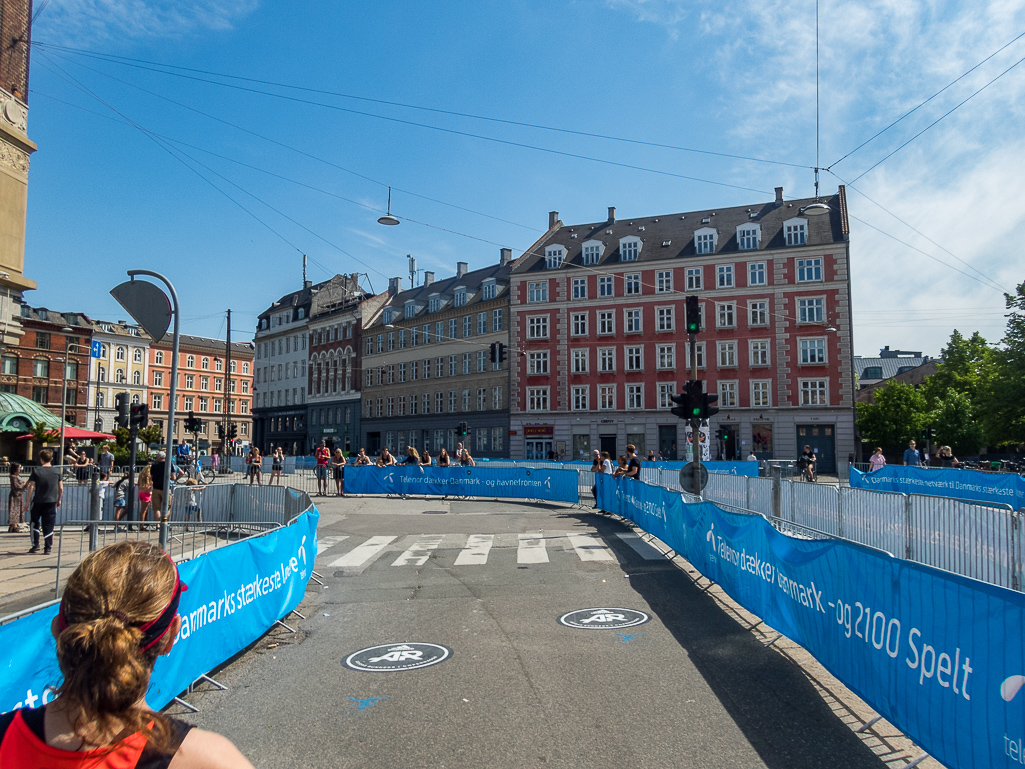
(435,512)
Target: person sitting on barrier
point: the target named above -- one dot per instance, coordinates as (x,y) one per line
(425,459)
(119,613)
(443,459)
(466,460)
(877,461)
(633,463)
(386,459)
(255,463)
(338,471)
(807,463)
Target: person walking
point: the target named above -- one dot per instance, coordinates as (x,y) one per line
(338,471)
(44,491)
(16,501)
(877,461)
(276,466)
(106,461)
(911,456)
(323,457)
(255,463)
(118,614)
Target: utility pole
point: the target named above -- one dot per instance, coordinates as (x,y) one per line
(693,325)
(227,391)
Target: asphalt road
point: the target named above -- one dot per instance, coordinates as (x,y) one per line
(689,688)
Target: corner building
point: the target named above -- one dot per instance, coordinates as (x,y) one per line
(598,311)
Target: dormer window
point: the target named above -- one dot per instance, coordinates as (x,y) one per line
(459,296)
(796,231)
(553,257)
(389,314)
(302,313)
(489,289)
(592,251)
(434,302)
(629,249)
(705,240)
(748,236)
(410,309)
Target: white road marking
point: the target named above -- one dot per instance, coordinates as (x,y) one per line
(589,547)
(641,547)
(532,548)
(419,551)
(476,551)
(323,543)
(363,553)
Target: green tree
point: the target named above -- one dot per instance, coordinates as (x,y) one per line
(957,424)
(897,416)
(42,434)
(1004,406)
(966,368)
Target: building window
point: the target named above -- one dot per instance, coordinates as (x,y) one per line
(665,390)
(809,270)
(439,402)
(699,354)
(496,397)
(402,339)
(158,401)
(758,313)
(632,283)
(606,397)
(496,320)
(813,392)
(756,274)
(482,399)
(482,323)
(606,322)
(553,257)
(190,403)
(664,282)
(580,288)
(632,321)
(439,367)
(158,357)
(537,362)
(490,289)
(578,398)
(605,286)
(726,315)
(482,361)
(592,253)
(796,232)
(666,356)
(759,352)
(634,358)
(39,393)
(101,373)
(41,368)
(119,377)
(537,327)
(760,393)
(727,354)
(414,370)
(137,378)
(606,360)
(9,365)
(809,310)
(724,276)
(747,238)
(467,363)
(635,396)
(694,281)
(402,372)
(453,365)
(537,399)
(813,351)
(121,353)
(459,297)
(728,394)
(190,361)
(537,292)
(100,399)
(467,326)
(452,401)
(704,242)
(42,340)
(629,250)
(666,318)
(578,324)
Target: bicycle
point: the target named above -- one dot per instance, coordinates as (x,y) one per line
(192,470)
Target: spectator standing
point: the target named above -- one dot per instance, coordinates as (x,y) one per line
(194,502)
(633,463)
(16,501)
(323,457)
(945,457)
(412,456)
(159,472)
(145,486)
(466,460)
(595,469)
(338,471)
(443,459)
(751,456)
(82,468)
(621,465)
(877,461)
(362,460)
(606,463)
(425,459)
(44,490)
(386,459)
(911,456)
(277,464)
(255,462)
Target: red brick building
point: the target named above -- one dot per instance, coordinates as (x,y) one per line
(598,312)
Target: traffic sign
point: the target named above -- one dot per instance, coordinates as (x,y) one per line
(96,349)
(690,480)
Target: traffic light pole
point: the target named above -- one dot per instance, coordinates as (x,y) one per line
(695,423)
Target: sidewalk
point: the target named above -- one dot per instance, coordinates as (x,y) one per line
(28,580)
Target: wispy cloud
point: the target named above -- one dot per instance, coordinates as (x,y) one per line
(94,22)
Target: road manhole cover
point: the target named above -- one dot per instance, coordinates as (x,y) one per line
(603,619)
(391,658)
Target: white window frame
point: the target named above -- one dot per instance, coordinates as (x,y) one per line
(758,313)
(810,391)
(726,354)
(699,349)
(633,320)
(805,346)
(748,236)
(606,323)
(663,281)
(579,288)
(665,390)
(805,303)
(606,360)
(554,257)
(537,399)
(634,396)
(633,357)
(727,393)
(580,360)
(537,292)
(760,388)
(795,232)
(706,240)
(579,397)
(695,278)
(809,269)
(629,248)
(578,324)
(665,358)
(537,327)
(725,314)
(665,318)
(758,352)
(606,397)
(724,276)
(632,284)
(757,274)
(592,251)
(606,286)
(537,363)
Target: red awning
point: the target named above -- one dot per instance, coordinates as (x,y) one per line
(76,433)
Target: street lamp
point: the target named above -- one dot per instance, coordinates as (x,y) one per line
(64,387)
(388,219)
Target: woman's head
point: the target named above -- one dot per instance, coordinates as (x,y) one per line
(117,615)
(605,455)
(443,453)
(879,450)
(15,468)
(338,454)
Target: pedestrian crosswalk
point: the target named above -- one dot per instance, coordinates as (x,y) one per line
(355,553)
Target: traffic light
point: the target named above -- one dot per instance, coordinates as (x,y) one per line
(220,431)
(139,415)
(689,400)
(683,407)
(463,429)
(502,352)
(232,431)
(494,352)
(724,433)
(707,405)
(693,315)
(121,403)
(193,425)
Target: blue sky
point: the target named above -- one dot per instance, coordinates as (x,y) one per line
(110,191)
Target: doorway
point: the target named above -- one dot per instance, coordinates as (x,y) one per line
(538,449)
(822,440)
(667,441)
(608,443)
(373,443)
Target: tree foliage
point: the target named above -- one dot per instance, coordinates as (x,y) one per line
(897,416)
(1004,394)
(957,424)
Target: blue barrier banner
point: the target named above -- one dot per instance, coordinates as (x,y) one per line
(509,482)
(235,594)
(940,656)
(714,466)
(971,485)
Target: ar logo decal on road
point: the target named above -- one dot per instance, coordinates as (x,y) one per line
(389,658)
(603,619)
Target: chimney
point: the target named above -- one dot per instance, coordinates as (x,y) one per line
(612,214)
(394,286)
(428,277)
(461,269)
(307,284)
(553,219)
(779,196)
(505,256)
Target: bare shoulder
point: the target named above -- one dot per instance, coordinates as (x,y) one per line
(208,750)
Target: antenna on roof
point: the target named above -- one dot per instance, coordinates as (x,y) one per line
(412,270)
(304,269)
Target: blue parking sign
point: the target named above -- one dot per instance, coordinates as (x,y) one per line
(97,350)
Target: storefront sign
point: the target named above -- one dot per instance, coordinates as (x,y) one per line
(535,430)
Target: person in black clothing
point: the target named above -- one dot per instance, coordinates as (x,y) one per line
(44,489)
(633,463)
(807,463)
